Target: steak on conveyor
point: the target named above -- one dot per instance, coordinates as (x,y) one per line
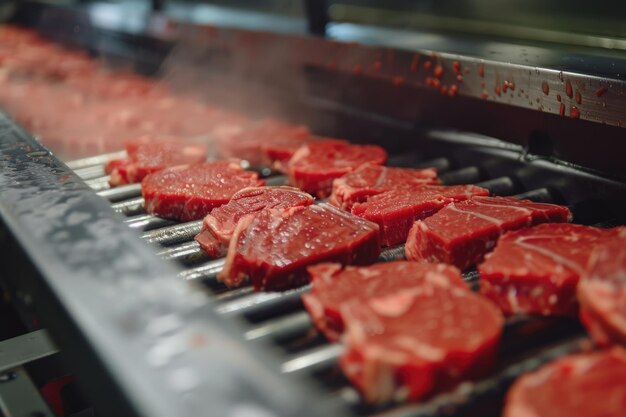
(536,270)
(462,233)
(266,142)
(602,292)
(314,166)
(190,192)
(419,341)
(333,286)
(147,155)
(369,180)
(273,248)
(396,211)
(586,385)
(219,225)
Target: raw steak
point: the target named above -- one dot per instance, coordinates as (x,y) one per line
(314,166)
(274,247)
(147,155)
(536,270)
(588,384)
(264,142)
(415,342)
(602,292)
(397,210)
(334,286)
(218,226)
(370,180)
(190,192)
(462,233)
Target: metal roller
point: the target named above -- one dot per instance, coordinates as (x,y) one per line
(95,160)
(499,186)
(129,207)
(172,235)
(285,327)
(122,192)
(90,173)
(187,253)
(313,360)
(467,175)
(262,302)
(147,222)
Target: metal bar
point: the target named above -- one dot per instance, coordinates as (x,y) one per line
(129,207)
(276,180)
(147,222)
(99,184)
(440,164)
(315,359)
(89,173)
(392,253)
(25,348)
(259,302)
(187,253)
(19,397)
(540,195)
(122,192)
(206,272)
(172,235)
(282,328)
(95,160)
(499,186)
(467,175)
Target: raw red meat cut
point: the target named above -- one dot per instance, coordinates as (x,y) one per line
(190,192)
(274,247)
(462,233)
(264,142)
(587,384)
(602,292)
(536,270)
(314,166)
(334,286)
(369,180)
(419,341)
(219,225)
(397,210)
(147,155)
(277,152)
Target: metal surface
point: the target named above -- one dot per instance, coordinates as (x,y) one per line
(154,342)
(25,348)
(95,161)
(19,397)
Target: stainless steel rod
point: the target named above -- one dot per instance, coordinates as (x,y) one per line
(540,195)
(99,184)
(95,160)
(172,235)
(467,175)
(187,253)
(89,173)
(122,192)
(129,207)
(314,359)
(499,186)
(205,272)
(262,301)
(285,327)
(441,164)
(147,222)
